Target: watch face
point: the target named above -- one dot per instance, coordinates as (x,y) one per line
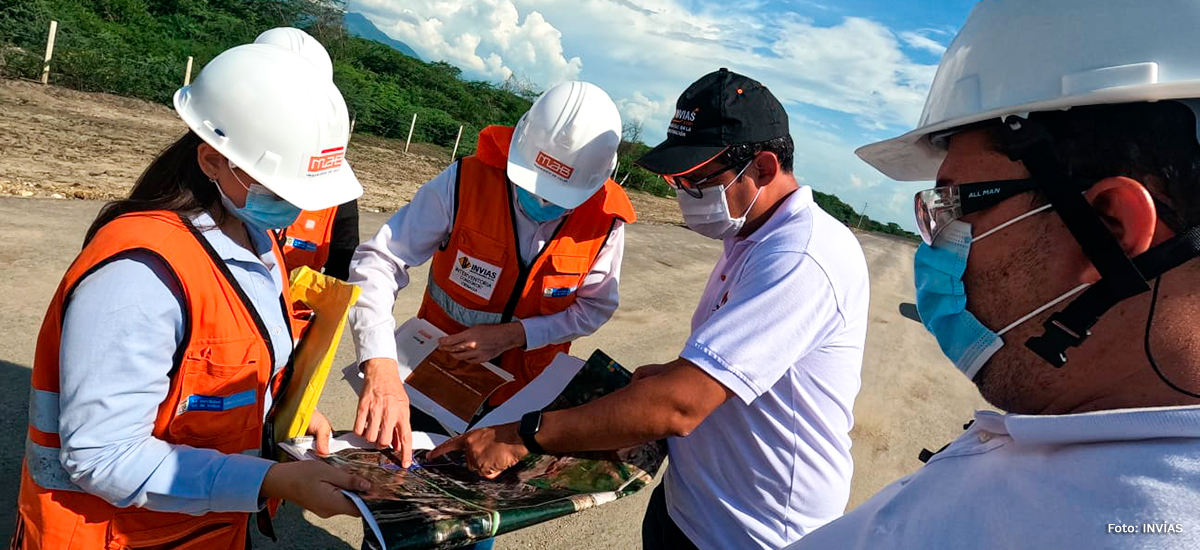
(530,423)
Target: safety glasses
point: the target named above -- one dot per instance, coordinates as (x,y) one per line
(693,187)
(937,207)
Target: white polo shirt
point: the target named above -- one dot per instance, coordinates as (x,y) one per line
(781,324)
(1122,479)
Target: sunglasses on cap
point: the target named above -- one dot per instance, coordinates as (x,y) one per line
(694,187)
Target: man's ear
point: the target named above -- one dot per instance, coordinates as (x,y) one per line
(211,162)
(1127,209)
(767,166)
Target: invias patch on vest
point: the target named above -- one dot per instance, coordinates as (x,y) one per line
(476,276)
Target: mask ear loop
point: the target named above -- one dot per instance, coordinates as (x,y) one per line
(989,232)
(233,170)
(1048,305)
(735,180)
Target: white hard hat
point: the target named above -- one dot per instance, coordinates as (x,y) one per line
(302,43)
(1014,57)
(272,114)
(565,147)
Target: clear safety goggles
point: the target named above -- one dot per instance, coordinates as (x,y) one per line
(936,208)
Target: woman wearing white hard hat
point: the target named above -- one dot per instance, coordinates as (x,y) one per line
(535,208)
(323,240)
(168,339)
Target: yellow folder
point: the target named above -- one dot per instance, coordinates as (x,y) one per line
(330,299)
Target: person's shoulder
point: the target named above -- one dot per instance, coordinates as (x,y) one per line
(831,235)
(134,278)
(444,180)
(813,234)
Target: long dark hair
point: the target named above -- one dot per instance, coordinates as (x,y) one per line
(173,181)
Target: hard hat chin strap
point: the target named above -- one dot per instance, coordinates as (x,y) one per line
(1121,277)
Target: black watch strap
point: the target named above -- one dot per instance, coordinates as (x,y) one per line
(530,424)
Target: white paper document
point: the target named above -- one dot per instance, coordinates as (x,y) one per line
(416,340)
(537,394)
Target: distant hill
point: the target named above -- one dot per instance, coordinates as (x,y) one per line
(358,25)
(137,48)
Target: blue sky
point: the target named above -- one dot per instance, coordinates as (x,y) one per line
(849,72)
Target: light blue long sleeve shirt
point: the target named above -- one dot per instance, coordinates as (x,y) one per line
(121,328)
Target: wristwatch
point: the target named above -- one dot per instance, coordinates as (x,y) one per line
(531,422)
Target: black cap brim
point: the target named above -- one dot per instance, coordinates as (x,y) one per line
(672,159)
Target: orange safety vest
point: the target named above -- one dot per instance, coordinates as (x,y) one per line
(224,355)
(478,276)
(306,242)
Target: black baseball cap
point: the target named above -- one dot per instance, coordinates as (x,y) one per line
(720,110)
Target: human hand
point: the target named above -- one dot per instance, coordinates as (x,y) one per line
(483,342)
(489,451)
(382,416)
(321,430)
(314,486)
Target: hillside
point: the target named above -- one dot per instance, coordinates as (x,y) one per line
(66,144)
(358,25)
(139,48)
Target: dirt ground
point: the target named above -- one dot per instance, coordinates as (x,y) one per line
(59,143)
(87,146)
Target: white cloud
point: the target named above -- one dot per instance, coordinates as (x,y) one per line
(902,200)
(922,42)
(844,84)
(639,108)
(487,39)
(856,67)
(947,31)
(861,183)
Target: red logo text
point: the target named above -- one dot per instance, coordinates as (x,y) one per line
(552,165)
(329,159)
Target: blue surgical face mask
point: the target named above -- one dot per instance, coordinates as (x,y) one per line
(942,298)
(264,210)
(537,209)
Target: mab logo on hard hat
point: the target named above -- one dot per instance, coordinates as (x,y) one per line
(554,166)
(329,159)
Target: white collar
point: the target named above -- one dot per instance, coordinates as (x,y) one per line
(1094,427)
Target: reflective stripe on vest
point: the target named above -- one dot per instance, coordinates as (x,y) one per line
(464,316)
(46,469)
(43,410)
(45,463)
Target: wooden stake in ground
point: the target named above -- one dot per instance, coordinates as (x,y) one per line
(455,152)
(49,52)
(410,130)
(187,74)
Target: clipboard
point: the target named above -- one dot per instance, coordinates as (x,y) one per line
(330,300)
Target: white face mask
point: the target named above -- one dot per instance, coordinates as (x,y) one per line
(709,214)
